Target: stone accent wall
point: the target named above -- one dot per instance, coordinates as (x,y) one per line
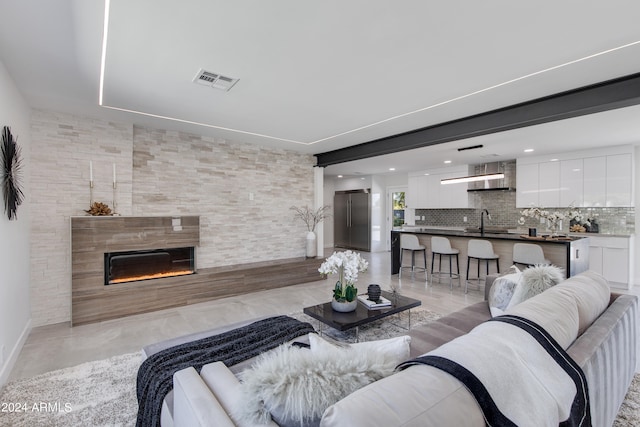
(61,149)
(177,172)
(158,173)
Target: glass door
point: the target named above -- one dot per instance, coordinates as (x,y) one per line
(397,199)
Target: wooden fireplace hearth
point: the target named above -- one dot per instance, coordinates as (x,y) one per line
(93,301)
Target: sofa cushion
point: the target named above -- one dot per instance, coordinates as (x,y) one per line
(553,310)
(194,404)
(592,294)
(535,280)
(226,388)
(296,385)
(425,338)
(397,348)
(413,397)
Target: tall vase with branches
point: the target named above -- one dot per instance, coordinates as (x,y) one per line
(311,218)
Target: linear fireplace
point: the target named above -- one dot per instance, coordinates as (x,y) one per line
(133,266)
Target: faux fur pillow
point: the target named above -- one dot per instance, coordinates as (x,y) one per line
(535,280)
(296,385)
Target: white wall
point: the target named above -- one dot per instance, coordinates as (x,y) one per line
(15,311)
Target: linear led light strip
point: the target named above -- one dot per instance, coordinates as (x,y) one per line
(485,177)
(107,5)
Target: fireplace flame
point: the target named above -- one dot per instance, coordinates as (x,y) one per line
(151,276)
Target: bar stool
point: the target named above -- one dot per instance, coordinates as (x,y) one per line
(480,250)
(442,246)
(528,254)
(409,242)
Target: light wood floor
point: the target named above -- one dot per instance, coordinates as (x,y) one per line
(58,346)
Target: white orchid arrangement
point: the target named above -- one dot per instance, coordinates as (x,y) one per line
(347,264)
(554,218)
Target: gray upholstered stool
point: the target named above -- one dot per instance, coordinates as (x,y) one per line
(409,242)
(442,246)
(480,250)
(528,254)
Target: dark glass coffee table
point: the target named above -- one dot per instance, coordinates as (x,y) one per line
(362,315)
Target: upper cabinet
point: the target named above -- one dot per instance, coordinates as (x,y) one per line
(619,181)
(426,192)
(590,178)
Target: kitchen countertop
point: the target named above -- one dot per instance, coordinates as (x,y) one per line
(459,232)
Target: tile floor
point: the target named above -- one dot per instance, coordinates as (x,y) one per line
(57,346)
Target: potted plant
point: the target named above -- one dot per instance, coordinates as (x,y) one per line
(347,265)
(311,218)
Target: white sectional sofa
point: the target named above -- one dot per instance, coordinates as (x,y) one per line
(597,329)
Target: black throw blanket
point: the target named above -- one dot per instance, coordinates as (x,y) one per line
(580,414)
(155,376)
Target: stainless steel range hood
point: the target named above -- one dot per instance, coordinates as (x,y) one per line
(504,184)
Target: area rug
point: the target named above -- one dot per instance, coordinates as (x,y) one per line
(103,393)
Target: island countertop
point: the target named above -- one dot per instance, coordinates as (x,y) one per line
(460,232)
(569,252)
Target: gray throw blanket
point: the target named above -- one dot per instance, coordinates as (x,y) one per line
(155,376)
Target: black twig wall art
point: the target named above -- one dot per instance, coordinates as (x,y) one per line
(11,165)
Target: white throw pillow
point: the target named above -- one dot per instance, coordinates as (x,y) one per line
(397,348)
(502,291)
(296,385)
(535,280)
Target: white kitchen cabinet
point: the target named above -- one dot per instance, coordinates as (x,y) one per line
(595,185)
(413,190)
(619,182)
(426,192)
(571,182)
(452,195)
(526,185)
(611,256)
(590,178)
(549,184)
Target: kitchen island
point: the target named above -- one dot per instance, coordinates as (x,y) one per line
(571,253)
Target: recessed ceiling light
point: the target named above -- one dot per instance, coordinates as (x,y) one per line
(392,169)
(447,161)
(426,174)
(528,150)
(553,160)
(339,176)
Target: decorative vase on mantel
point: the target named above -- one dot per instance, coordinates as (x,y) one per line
(312,249)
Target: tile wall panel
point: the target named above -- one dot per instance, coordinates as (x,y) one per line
(177,172)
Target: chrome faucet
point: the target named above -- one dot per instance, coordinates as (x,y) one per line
(482,220)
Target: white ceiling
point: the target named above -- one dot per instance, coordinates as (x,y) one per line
(318,76)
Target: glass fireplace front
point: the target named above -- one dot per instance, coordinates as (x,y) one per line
(133,266)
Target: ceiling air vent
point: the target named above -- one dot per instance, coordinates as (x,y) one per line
(214,80)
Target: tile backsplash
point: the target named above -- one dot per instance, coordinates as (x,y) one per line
(502,207)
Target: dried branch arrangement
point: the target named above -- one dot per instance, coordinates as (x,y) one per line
(99,209)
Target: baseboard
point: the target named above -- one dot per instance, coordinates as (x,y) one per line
(13,356)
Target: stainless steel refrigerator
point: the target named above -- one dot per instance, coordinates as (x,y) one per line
(352,219)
